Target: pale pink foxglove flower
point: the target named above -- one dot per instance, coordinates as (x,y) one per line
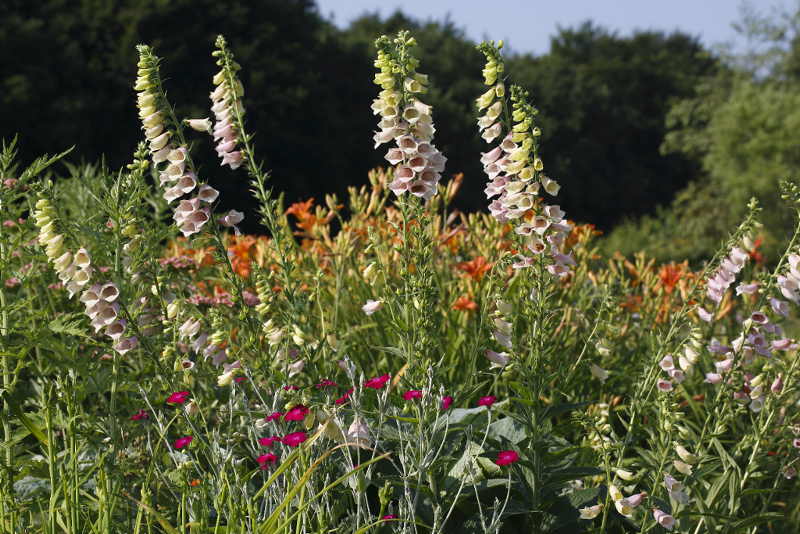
(232,218)
(664,519)
(500,359)
(372,306)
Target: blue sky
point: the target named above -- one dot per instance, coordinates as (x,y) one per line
(527,25)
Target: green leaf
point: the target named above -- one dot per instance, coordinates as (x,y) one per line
(17,411)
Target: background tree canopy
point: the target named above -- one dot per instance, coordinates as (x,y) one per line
(67,70)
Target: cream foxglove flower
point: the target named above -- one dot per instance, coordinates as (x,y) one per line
(200,125)
(590,512)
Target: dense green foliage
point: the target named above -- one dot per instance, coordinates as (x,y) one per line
(740,126)
(66,70)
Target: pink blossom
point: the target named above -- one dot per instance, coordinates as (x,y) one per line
(447,402)
(274,416)
(12,282)
(412,394)
(345,397)
(179,397)
(298,413)
(506,458)
(294,439)
(140,415)
(377,382)
(183,442)
(265,460)
(267,442)
(487,400)
(325,383)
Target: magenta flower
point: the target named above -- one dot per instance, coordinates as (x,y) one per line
(506,458)
(141,414)
(412,394)
(240,379)
(179,397)
(325,383)
(267,442)
(487,400)
(388,516)
(274,416)
(294,439)
(344,398)
(265,460)
(298,413)
(446,402)
(290,388)
(377,382)
(183,442)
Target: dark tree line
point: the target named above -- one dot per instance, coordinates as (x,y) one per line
(67,67)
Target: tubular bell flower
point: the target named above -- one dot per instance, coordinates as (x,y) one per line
(405,119)
(170,158)
(515,170)
(226,104)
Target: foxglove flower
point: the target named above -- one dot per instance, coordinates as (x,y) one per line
(405,120)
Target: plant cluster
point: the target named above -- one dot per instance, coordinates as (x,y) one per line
(382,363)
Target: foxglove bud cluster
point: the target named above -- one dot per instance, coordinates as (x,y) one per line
(405,120)
(677,369)
(74,270)
(515,170)
(199,341)
(226,102)
(169,158)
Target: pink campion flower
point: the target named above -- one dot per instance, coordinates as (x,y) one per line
(372,306)
(345,397)
(267,442)
(506,458)
(377,382)
(240,379)
(298,413)
(294,439)
(487,401)
(388,516)
(179,397)
(182,442)
(663,519)
(265,460)
(412,394)
(140,415)
(274,416)
(447,402)
(12,282)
